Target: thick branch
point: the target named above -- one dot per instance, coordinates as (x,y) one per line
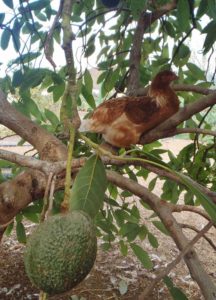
(57,167)
(144,22)
(183,114)
(196,269)
(181,88)
(48,146)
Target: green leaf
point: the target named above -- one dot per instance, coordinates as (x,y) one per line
(9,3)
(183,15)
(90,49)
(9,229)
(2,16)
(210,37)
(16,35)
(88,97)
(207,203)
(58,91)
(142,256)
(184,51)
(36,209)
(123,248)
(137,7)
(196,71)
(153,240)
(89,187)
(51,117)
(32,78)
(31,217)
(17,78)
(202,9)
(26,58)
(212,8)
(152,183)
(130,230)
(5,38)
(38,5)
(175,292)
(143,232)
(160,226)
(88,81)
(169,28)
(20,231)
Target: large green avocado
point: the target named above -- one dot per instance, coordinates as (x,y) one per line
(61,252)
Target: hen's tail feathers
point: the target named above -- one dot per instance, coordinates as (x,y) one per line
(85,125)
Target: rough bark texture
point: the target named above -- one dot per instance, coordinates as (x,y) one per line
(48,146)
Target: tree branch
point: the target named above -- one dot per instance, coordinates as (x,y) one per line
(187,226)
(48,146)
(183,207)
(144,22)
(181,88)
(194,130)
(57,167)
(183,114)
(163,211)
(164,272)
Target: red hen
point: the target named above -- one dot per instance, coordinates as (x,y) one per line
(123,120)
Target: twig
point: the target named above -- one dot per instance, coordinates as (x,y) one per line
(164,272)
(182,207)
(45,199)
(65,203)
(195,130)
(180,87)
(196,138)
(52,190)
(144,22)
(180,43)
(30,150)
(8,136)
(48,44)
(187,226)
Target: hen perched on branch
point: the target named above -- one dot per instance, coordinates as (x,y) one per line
(123,120)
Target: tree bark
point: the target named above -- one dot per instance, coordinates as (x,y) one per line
(163,211)
(48,146)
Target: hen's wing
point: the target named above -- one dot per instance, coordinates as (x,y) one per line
(110,110)
(140,109)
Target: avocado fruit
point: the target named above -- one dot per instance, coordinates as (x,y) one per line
(61,252)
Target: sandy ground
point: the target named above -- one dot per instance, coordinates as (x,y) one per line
(111,270)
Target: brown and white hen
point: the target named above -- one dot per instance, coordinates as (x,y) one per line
(123,120)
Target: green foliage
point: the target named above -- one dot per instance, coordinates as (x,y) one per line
(106,39)
(88,190)
(175,292)
(142,256)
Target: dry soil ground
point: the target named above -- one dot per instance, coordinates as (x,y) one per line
(111,270)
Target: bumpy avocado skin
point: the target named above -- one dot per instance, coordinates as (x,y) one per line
(61,252)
